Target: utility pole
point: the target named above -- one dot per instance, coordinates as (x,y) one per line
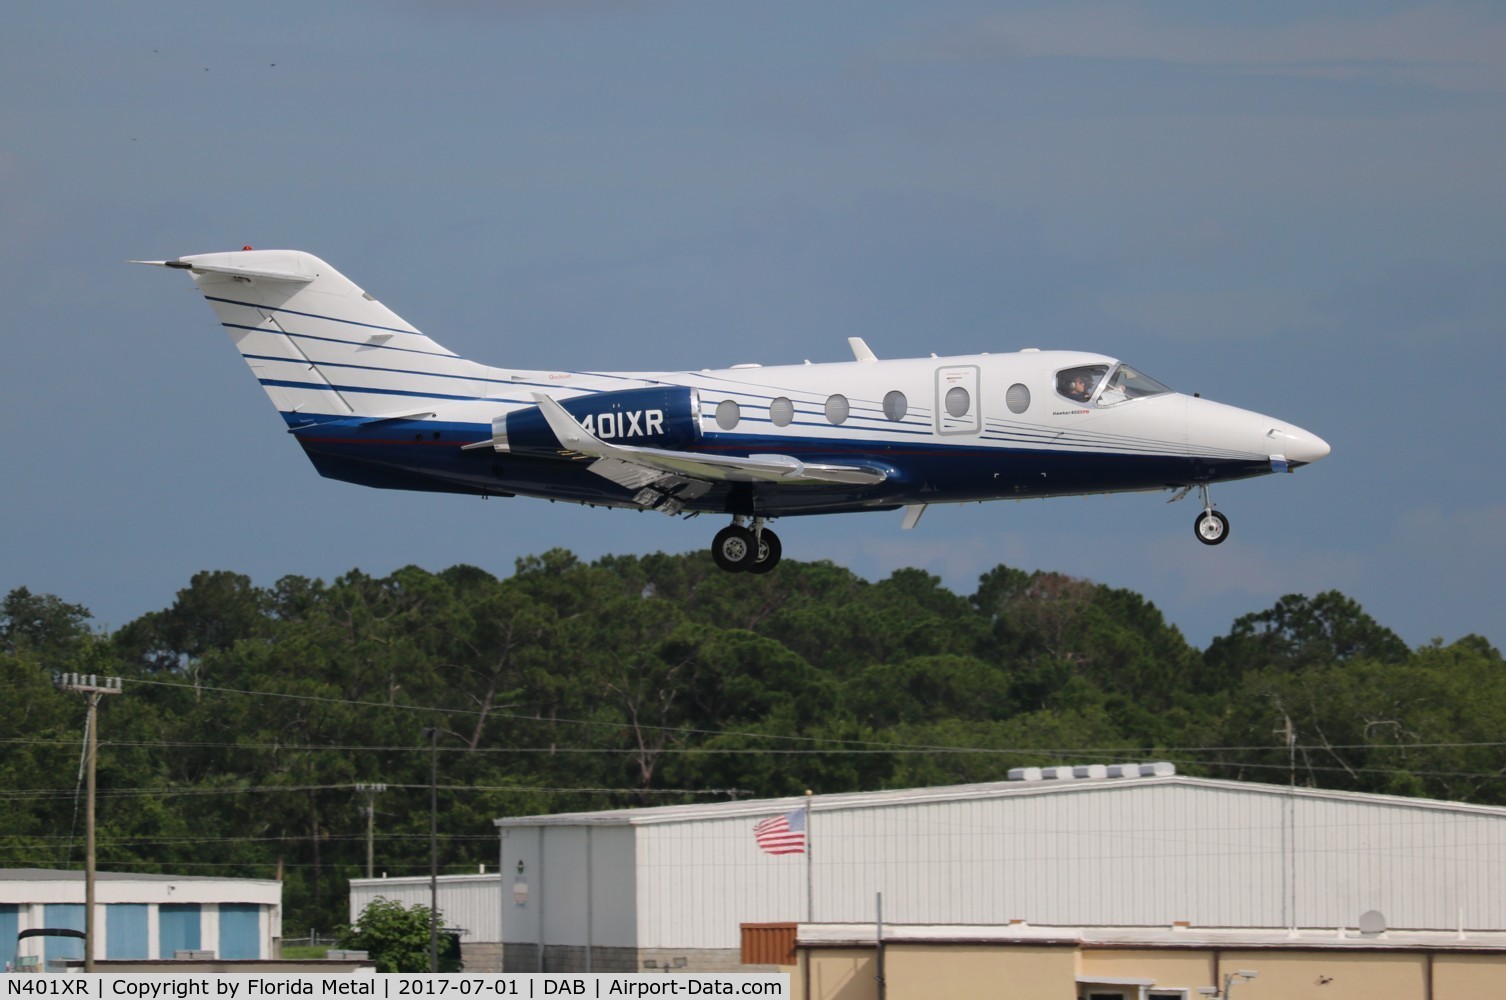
(433,733)
(371,791)
(92,689)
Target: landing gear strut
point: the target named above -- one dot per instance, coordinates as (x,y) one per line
(739,548)
(1211,527)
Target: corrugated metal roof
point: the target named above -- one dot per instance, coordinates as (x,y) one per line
(648,815)
(484,878)
(1242,938)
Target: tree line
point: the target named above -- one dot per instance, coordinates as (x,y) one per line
(252,714)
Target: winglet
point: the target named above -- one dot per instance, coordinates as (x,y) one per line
(861,351)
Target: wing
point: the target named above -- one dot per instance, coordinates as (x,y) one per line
(638,467)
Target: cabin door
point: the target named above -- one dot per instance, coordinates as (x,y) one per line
(958,408)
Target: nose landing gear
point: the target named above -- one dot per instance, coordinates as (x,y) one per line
(1211,527)
(740,548)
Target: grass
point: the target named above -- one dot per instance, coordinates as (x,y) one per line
(304,950)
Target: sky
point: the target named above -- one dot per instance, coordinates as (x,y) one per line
(1290,207)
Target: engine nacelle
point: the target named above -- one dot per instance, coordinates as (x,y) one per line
(658,417)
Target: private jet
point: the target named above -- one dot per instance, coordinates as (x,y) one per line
(373,401)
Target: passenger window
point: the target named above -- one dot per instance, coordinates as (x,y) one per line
(781,411)
(1017,398)
(896,405)
(958,401)
(837,408)
(728,413)
(1079,383)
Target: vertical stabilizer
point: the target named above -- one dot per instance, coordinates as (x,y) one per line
(317,343)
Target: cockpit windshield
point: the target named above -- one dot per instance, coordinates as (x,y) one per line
(1129,383)
(1123,384)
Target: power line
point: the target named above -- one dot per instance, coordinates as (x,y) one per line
(878,745)
(872,746)
(26,793)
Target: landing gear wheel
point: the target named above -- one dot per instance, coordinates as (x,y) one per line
(1211,527)
(769,551)
(734,549)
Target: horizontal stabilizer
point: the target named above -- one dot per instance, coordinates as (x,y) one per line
(222,263)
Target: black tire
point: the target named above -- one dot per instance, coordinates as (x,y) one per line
(733,548)
(1211,527)
(769,552)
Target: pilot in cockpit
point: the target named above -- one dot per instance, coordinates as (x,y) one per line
(1077,385)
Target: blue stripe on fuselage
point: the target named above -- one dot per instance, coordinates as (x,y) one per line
(428,455)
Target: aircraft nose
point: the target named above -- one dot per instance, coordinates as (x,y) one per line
(1300,446)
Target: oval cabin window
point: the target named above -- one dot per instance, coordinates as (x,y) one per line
(781,412)
(896,405)
(837,408)
(728,413)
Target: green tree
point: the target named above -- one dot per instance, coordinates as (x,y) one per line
(41,622)
(1299,632)
(397,939)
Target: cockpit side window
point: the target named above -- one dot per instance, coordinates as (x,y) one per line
(1080,383)
(1128,383)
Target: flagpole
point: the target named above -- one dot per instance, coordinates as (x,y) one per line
(810,848)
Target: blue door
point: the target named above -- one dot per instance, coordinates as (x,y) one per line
(10,922)
(125,930)
(240,930)
(177,928)
(63,915)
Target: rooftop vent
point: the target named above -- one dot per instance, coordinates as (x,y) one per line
(1158,769)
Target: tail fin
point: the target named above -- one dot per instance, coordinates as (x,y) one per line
(318,344)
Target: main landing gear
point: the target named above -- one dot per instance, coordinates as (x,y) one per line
(740,548)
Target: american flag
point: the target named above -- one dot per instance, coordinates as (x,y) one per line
(781,834)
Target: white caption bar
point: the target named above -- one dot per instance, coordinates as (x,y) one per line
(394,986)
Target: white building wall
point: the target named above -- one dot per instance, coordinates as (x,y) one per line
(35,893)
(209,929)
(614,887)
(468,902)
(699,879)
(582,886)
(1152,853)
(522,902)
(562,880)
(1419,868)
(1145,852)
